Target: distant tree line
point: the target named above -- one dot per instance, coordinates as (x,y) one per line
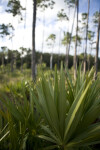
(23,60)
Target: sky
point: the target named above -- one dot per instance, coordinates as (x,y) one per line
(23,31)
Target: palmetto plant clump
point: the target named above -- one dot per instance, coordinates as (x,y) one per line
(18,124)
(69,110)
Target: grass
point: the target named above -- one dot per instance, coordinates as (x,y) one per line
(9,77)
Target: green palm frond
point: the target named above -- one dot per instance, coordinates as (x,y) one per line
(67,109)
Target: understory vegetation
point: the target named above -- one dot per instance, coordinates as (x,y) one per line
(54,112)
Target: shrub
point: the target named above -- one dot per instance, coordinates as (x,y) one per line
(69,110)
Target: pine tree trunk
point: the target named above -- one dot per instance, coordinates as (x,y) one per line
(75,55)
(72,29)
(3,60)
(21,64)
(43,36)
(67,56)
(51,58)
(12,62)
(85,54)
(33,40)
(88,62)
(97,49)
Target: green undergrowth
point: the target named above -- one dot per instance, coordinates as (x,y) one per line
(54,112)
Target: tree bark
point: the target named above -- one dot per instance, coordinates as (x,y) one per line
(88,62)
(43,35)
(3,60)
(75,57)
(67,56)
(22,64)
(33,61)
(12,62)
(85,54)
(97,48)
(51,59)
(72,29)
